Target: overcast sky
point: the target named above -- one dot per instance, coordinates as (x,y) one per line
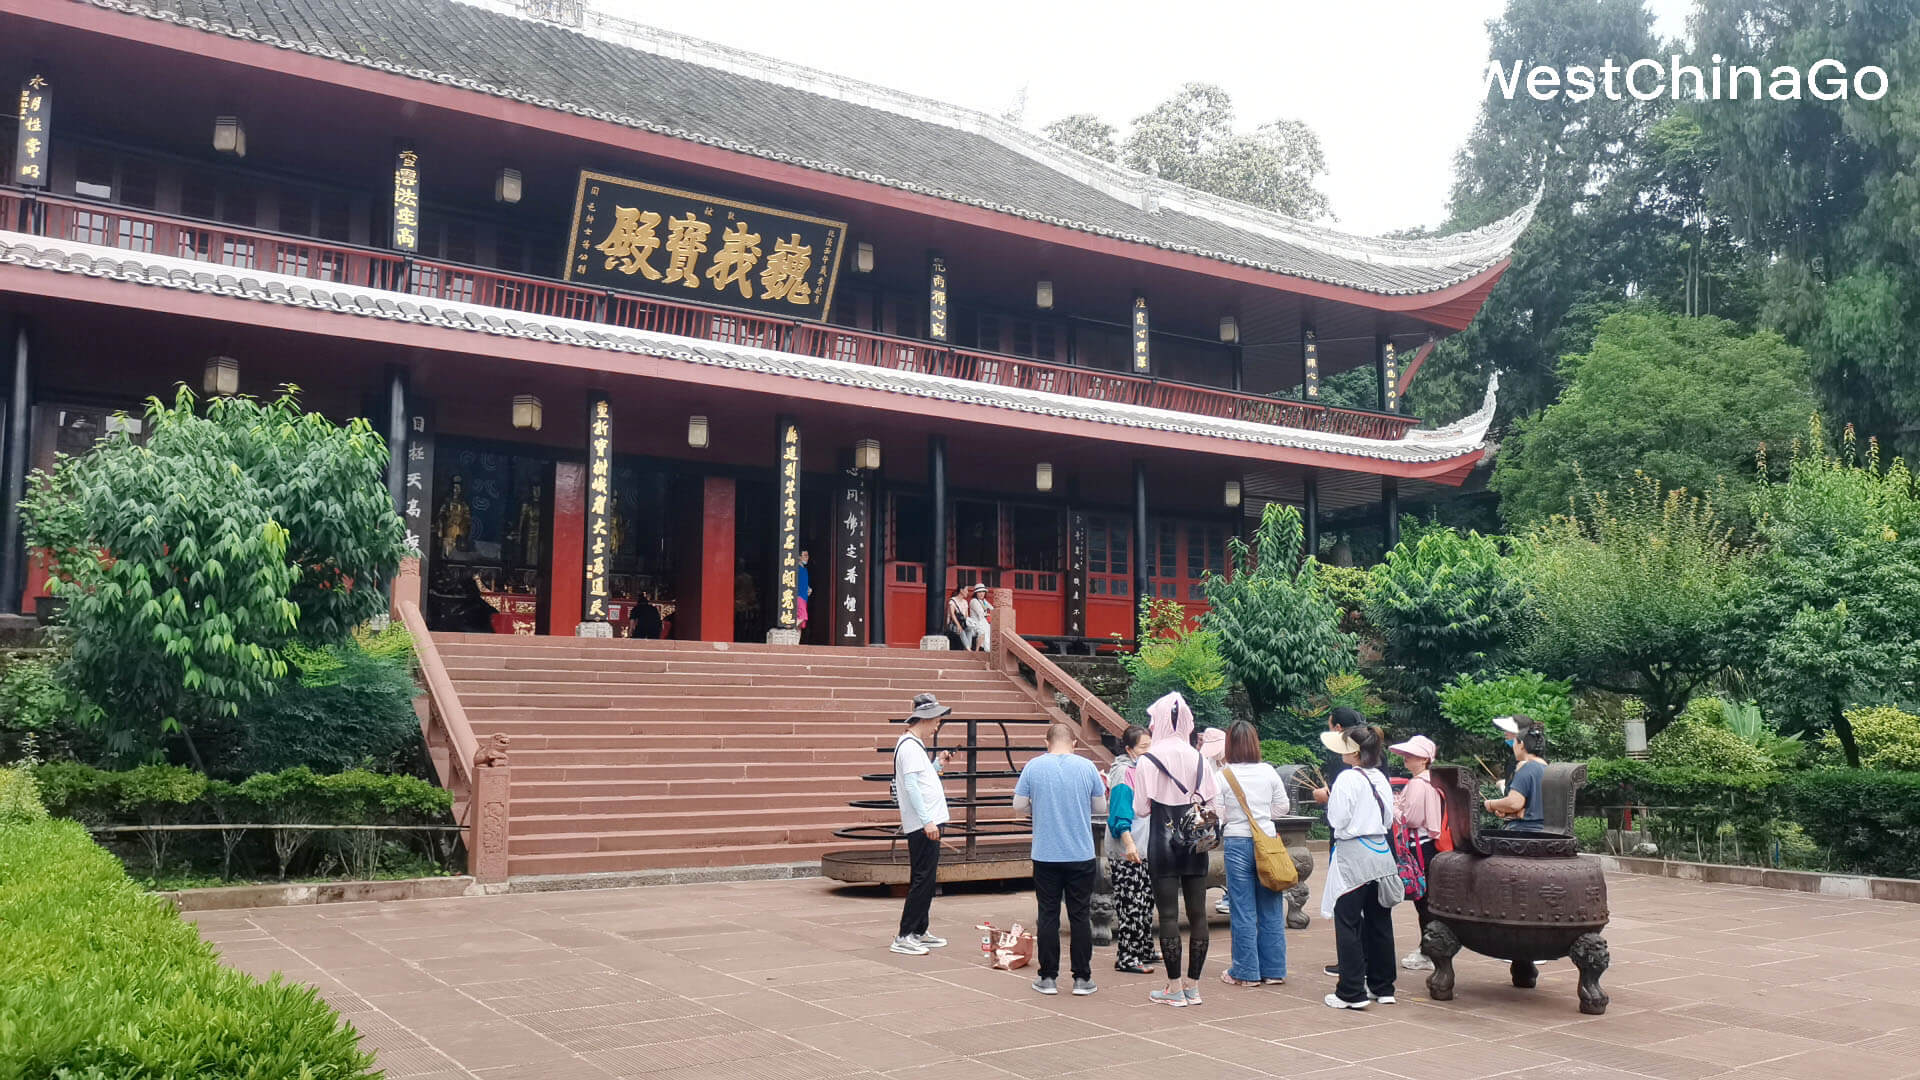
(1391,86)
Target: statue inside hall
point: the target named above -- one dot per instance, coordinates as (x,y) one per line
(453,522)
(525,534)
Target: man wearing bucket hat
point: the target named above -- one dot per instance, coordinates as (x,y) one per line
(1521,806)
(1419,808)
(923,809)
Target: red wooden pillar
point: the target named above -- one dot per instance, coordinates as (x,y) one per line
(713,613)
(567,563)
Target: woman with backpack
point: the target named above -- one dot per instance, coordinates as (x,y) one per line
(1363,878)
(1179,798)
(1420,811)
(1255,796)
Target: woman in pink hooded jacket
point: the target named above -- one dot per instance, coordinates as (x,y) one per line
(1169,777)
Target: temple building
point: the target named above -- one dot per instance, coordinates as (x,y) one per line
(646,318)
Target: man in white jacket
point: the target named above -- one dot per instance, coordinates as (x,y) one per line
(923,809)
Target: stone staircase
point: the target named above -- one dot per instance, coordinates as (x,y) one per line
(636,755)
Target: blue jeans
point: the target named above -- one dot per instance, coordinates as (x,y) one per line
(1259,918)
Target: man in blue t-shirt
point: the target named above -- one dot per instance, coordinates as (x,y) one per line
(1063,793)
(1521,806)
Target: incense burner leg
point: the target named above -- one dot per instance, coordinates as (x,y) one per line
(1590,956)
(1525,974)
(1103,909)
(1297,917)
(1440,945)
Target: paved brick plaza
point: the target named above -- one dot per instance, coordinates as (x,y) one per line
(790,979)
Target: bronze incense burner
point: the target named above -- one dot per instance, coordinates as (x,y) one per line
(1517,896)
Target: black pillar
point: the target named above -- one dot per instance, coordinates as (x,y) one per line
(1310,512)
(397,437)
(19,394)
(937,546)
(1390,507)
(1140,545)
(877,562)
(1239,368)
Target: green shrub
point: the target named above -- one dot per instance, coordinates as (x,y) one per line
(72,790)
(1694,741)
(37,707)
(1471,704)
(1189,663)
(19,798)
(1869,821)
(1591,832)
(159,794)
(1275,752)
(1346,586)
(1278,632)
(103,981)
(1889,739)
(351,705)
(1348,690)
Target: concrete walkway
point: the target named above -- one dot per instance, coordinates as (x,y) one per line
(790,980)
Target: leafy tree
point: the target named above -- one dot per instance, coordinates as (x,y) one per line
(1620,214)
(183,573)
(1086,133)
(1832,617)
(1687,401)
(1633,595)
(1186,661)
(1470,704)
(1278,632)
(1445,605)
(1822,194)
(1189,139)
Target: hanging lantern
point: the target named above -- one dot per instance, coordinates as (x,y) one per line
(1233,493)
(222,377)
(697,432)
(863,257)
(506,186)
(229,137)
(1043,295)
(526,412)
(1229,329)
(866,454)
(1043,476)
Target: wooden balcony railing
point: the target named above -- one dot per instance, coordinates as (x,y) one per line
(346,264)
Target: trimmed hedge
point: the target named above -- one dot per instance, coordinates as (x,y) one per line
(168,795)
(1864,821)
(98,979)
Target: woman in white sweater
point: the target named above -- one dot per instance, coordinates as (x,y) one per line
(1259,914)
(1363,881)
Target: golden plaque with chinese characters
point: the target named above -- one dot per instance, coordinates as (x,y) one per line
(682,245)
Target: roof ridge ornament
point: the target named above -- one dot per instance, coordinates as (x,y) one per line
(571,13)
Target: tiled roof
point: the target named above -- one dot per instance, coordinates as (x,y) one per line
(642,78)
(1449,443)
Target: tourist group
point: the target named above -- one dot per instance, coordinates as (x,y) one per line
(1172,796)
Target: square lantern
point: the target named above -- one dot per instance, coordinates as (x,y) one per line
(526,412)
(697,432)
(863,257)
(229,137)
(506,186)
(1043,295)
(866,454)
(1043,476)
(1233,493)
(1229,329)
(222,377)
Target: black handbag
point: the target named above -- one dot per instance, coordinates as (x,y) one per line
(1196,829)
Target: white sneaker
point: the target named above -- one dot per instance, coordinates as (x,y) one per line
(929,941)
(1384,1000)
(1220,907)
(1334,1002)
(907,946)
(1416,961)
